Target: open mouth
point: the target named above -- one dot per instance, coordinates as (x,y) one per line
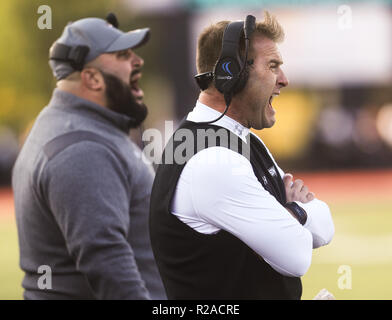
(134,84)
(270,108)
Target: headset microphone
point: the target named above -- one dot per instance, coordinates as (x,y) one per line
(250,25)
(230,72)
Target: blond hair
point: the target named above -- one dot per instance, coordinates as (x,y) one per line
(210,40)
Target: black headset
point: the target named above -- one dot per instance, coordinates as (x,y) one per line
(230,72)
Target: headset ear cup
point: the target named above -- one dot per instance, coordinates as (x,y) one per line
(226,74)
(243,79)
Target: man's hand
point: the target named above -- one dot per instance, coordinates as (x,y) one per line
(296,191)
(324,294)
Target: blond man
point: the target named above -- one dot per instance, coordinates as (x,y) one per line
(236,227)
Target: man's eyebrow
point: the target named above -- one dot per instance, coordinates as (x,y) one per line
(276,61)
(123,52)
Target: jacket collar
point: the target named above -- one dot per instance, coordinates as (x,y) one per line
(202,112)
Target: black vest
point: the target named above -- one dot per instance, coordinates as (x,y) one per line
(212,266)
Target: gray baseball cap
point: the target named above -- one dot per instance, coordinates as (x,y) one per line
(85,39)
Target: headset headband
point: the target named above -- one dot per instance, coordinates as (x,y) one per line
(231,40)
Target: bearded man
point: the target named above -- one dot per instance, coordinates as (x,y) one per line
(81,187)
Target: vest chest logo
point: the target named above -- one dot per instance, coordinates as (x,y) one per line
(238,129)
(265,181)
(272,171)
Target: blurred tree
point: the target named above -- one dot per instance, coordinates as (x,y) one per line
(26,81)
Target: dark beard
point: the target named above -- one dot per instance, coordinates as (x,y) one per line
(120,99)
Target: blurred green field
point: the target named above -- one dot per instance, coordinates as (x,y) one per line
(363,242)
(10,273)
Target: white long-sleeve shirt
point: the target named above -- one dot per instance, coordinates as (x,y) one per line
(218,190)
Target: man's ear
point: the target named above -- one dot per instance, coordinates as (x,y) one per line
(92,79)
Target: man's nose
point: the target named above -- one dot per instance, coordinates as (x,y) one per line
(137,61)
(282,79)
